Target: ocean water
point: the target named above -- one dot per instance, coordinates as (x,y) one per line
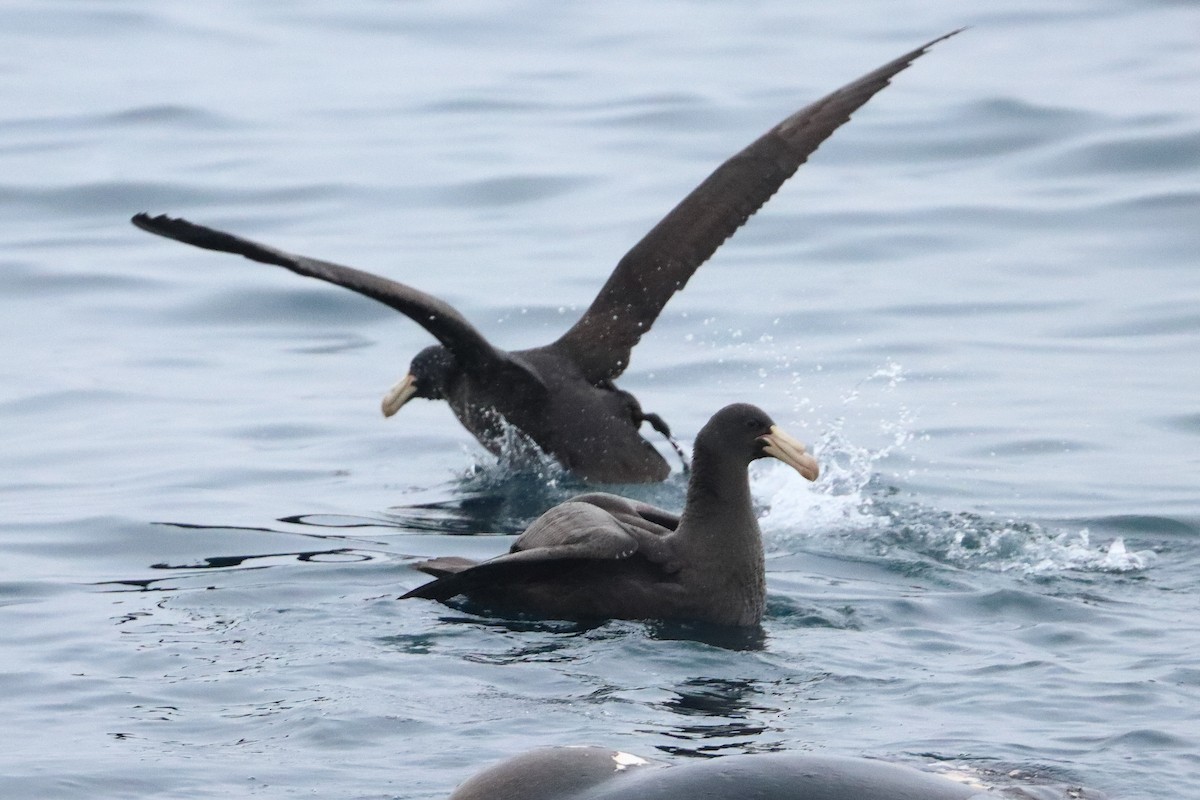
(979,301)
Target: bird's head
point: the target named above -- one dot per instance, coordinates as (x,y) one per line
(429,375)
(748,429)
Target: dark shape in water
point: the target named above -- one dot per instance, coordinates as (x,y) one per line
(596,773)
(600,556)
(562,395)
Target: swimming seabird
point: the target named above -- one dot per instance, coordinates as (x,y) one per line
(599,556)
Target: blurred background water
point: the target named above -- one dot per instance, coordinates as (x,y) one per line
(979,301)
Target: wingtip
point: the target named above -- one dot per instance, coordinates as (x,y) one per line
(909,58)
(150,224)
(946,36)
(925,48)
(182,230)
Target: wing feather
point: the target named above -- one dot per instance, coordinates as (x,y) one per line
(667,257)
(436,316)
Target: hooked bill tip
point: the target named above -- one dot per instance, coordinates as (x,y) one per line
(791,451)
(398,395)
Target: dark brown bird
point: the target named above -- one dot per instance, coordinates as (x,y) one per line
(600,556)
(561,395)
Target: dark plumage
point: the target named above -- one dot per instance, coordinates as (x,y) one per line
(561,395)
(596,773)
(600,556)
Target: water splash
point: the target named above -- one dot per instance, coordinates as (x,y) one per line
(848,511)
(840,498)
(837,502)
(523,468)
(852,507)
(519,456)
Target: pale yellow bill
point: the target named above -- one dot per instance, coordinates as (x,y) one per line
(399,394)
(791,452)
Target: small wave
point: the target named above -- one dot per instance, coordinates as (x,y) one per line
(169,115)
(509,190)
(972,541)
(117,199)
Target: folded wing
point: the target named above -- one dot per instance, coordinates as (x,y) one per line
(579,530)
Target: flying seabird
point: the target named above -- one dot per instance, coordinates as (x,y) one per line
(561,395)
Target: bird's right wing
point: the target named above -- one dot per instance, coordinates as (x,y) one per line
(436,316)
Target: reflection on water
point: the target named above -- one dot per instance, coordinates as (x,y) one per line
(723,716)
(341,555)
(259,561)
(724,637)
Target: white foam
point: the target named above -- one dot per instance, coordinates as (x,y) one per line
(793,506)
(836,501)
(1074,551)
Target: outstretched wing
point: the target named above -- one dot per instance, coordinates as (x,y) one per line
(445,323)
(666,257)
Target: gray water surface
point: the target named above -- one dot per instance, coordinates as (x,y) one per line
(979,301)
